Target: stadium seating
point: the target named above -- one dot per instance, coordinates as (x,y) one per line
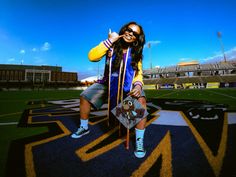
(200,74)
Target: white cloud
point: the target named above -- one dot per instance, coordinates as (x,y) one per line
(22,51)
(11,60)
(34,49)
(230,54)
(46,46)
(185,59)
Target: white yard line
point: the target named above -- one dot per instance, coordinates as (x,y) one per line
(71,105)
(15,113)
(221,94)
(9,123)
(168,94)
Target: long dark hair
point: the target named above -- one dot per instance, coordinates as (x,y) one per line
(136,48)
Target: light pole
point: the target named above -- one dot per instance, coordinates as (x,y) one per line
(221,44)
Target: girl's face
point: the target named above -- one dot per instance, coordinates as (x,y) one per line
(131,33)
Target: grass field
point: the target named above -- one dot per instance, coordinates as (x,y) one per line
(13,104)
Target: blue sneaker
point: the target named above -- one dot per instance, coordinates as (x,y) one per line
(80,132)
(139,151)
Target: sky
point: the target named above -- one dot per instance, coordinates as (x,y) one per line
(61,32)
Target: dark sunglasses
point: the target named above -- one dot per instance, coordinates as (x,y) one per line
(134,32)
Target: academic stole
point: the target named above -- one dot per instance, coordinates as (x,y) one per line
(115,86)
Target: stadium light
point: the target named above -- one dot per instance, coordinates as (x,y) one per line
(221,44)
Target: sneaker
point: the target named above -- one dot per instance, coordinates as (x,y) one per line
(80,132)
(140,151)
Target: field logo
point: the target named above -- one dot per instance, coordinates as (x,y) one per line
(198,146)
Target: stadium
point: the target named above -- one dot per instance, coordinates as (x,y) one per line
(193,75)
(183,75)
(49,56)
(190,131)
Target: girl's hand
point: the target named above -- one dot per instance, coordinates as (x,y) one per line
(136,91)
(113,36)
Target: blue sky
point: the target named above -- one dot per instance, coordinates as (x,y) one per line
(61,32)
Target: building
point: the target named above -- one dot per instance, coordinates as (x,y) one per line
(26,75)
(32,73)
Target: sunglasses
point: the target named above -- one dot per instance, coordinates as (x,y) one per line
(134,32)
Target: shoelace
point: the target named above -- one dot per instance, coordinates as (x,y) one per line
(80,130)
(139,145)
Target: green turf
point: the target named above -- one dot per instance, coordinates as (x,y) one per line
(219,96)
(13,103)
(16,101)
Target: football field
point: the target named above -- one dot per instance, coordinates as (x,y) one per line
(189,131)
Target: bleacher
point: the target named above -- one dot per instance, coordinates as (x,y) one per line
(181,80)
(228,78)
(189,68)
(193,68)
(223,73)
(207,79)
(165,81)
